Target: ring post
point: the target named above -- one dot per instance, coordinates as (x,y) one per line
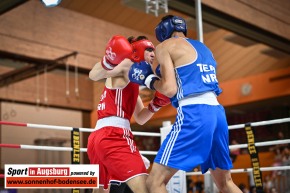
(75,154)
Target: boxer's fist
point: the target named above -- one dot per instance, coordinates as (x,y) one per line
(158,101)
(142,74)
(118,48)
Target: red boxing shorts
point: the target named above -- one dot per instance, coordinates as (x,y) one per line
(116,153)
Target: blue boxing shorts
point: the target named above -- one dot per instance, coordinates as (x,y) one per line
(199,136)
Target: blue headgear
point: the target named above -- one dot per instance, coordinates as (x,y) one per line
(168,25)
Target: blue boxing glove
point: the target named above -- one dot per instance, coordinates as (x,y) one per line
(142,74)
(157,71)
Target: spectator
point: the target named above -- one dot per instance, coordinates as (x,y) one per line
(234,152)
(277,161)
(190,185)
(273,190)
(268,184)
(243,188)
(253,189)
(279,150)
(199,185)
(280,136)
(286,156)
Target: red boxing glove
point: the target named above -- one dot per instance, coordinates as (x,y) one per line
(118,48)
(158,101)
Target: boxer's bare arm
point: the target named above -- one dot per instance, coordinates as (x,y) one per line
(167,84)
(99,73)
(141,114)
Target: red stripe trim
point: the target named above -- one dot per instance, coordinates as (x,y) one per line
(13,123)
(2,175)
(10,145)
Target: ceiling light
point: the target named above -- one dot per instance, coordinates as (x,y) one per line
(51,3)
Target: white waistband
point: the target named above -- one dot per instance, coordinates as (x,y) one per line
(114,122)
(208,98)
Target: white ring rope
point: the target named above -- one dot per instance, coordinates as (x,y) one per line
(260,123)
(259,144)
(66,128)
(41,126)
(148,152)
(58,127)
(53,148)
(146,134)
(263,169)
(86,129)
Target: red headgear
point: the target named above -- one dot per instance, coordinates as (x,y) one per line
(139,48)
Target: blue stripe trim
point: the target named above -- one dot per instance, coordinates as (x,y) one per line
(179,86)
(173,136)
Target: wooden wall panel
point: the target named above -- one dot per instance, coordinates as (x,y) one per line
(259,14)
(277,9)
(36,31)
(98,89)
(29,90)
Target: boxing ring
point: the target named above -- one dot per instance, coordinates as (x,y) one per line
(251,145)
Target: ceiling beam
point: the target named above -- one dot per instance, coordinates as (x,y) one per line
(7,5)
(228,22)
(36,67)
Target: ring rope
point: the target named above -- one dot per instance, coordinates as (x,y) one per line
(139,133)
(263,169)
(39,147)
(259,144)
(148,152)
(66,128)
(53,148)
(41,126)
(260,123)
(238,126)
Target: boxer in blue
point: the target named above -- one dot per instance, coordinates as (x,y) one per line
(199,135)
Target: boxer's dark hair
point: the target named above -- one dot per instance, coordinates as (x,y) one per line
(132,39)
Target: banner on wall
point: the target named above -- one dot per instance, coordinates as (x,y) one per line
(44,176)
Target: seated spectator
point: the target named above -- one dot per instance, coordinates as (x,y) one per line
(189,184)
(280,136)
(268,184)
(286,156)
(243,188)
(234,152)
(273,190)
(199,185)
(253,189)
(278,151)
